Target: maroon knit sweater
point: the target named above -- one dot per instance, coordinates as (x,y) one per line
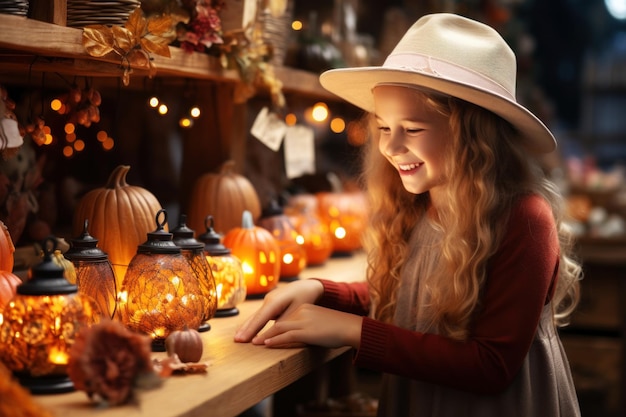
(520,281)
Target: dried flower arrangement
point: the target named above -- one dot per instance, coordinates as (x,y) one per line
(194,26)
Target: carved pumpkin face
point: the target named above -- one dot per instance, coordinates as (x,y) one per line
(259,254)
(292,254)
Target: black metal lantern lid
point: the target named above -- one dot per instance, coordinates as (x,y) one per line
(46,278)
(212,240)
(159,241)
(85,247)
(183,236)
(272,209)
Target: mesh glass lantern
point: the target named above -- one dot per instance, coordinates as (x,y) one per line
(227,270)
(94,272)
(39,326)
(193,250)
(160,292)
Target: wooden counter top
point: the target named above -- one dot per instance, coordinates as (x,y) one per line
(240,374)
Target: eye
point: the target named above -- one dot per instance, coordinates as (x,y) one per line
(384,129)
(413,131)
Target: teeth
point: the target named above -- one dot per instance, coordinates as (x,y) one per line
(408,167)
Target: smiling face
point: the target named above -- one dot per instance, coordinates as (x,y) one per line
(413,137)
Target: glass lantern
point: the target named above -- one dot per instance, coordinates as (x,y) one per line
(160,292)
(227,270)
(39,326)
(193,250)
(94,273)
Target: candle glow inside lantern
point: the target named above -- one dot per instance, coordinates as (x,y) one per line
(160,292)
(94,272)
(193,250)
(227,270)
(259,253)
(40,324)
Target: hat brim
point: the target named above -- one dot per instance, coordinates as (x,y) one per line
(355,85)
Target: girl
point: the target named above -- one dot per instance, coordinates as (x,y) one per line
(469,263)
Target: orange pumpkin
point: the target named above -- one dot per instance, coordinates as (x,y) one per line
(186,343)
(6,249)
(8,288)
(346,214)
(317,242)
(225,196)
(259,254)
(120,216)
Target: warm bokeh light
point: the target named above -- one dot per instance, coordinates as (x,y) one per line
(79,145)
(102,136)
(69,128)
(49,139)
(71,137)
(68,151)
(195,112)
(56,104)
(296,25)
(163,109)
(154,102)
(337,125)
(291,119)
(108,144)
(320,112)
(185,122)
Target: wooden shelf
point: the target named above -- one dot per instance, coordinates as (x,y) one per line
(31,45)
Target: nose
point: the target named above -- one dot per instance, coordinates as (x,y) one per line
(392,144)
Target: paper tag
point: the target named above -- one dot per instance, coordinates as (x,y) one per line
(10,134)
(269,129)
(299,151)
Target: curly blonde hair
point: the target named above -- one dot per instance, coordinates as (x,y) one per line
(486,164)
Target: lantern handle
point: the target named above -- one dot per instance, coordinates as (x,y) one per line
(50,240)
(209,222)
(161,225)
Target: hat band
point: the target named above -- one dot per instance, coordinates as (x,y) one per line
(443,69)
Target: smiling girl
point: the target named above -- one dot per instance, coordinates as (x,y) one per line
(469,264)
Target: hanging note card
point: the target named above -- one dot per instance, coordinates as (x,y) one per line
(299,151)
(269,129)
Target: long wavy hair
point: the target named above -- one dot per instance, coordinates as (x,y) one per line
(487,165)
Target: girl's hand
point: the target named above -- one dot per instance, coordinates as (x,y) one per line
(280,302)
(313,325)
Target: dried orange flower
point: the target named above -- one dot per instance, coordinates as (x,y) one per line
(109,362)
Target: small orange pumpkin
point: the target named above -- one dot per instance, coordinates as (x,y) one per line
(186,343)
(8,288)
(259,254)
(120,216)
(6,249)
(225,196)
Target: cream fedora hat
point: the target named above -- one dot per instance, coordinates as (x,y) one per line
(453,55)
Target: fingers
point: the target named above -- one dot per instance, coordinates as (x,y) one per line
(253,325)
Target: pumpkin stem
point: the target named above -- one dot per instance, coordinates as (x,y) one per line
(227,167)
(246,220)
(117,178)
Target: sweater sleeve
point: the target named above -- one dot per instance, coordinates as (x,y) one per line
(518,285)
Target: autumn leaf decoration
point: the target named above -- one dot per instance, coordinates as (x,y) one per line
(133,42)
